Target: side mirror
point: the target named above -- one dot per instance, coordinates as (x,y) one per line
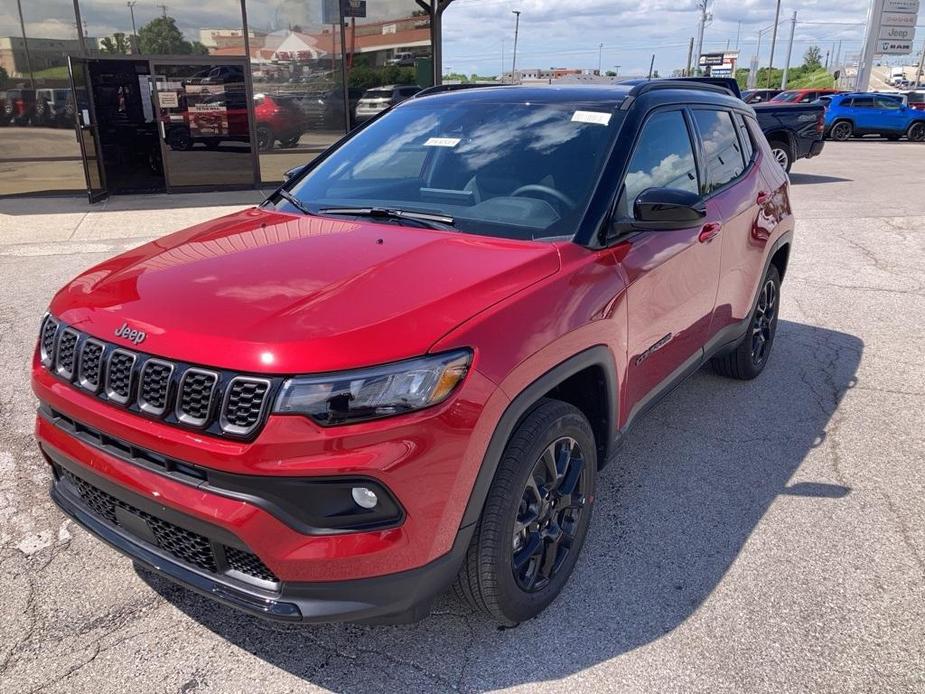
(667,208)
(294,171)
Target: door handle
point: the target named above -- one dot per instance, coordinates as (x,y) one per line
(763,198)
(708,231)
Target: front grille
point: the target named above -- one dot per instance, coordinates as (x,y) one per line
(91,365)
(47,340)
(244,404)
(219,402)
(67,353)
(155,386)
(196,390)
(185,545)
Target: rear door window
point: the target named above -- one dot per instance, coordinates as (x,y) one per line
(722,151)
(888,103)
(747,147)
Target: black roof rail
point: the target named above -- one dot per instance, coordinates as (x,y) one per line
(441,88)
(655,85)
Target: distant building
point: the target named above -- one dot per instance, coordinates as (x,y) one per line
(533,74)
(43,53)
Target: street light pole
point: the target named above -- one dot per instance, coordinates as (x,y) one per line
(131,8)
(25,44)
(773,43)
(600,57)
(514,59)
(704,17)
(793,26)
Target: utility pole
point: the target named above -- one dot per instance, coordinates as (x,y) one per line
(773,43)
(501,74)
(827,53)
(793,26)
(25,44)
(690,54)
(738,32)
(651,65)
(600,56)
(704,18)
(164,10)
(131,8)
(514,59)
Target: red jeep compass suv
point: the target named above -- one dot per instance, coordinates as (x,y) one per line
(407,367)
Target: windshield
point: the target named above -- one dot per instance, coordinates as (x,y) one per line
(787,96)
(512,170)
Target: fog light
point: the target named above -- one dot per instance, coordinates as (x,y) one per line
(364,498)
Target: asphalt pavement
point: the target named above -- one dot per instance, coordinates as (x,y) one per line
(763,537)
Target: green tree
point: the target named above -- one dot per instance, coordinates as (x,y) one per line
(117,44)
(812,59)
(162,37)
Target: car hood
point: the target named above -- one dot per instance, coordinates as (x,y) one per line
(267,292)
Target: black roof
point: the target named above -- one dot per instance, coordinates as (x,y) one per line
(619,95)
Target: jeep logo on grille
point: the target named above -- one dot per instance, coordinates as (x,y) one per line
(135,336)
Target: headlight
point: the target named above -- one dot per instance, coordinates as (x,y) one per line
(380,391)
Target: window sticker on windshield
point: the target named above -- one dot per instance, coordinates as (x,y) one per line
(595,117)
(442,142)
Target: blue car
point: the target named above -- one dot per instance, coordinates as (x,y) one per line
(854,115)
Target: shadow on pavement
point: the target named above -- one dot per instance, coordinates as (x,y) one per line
(799,179)
(673,513)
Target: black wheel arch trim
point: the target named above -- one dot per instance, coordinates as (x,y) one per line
(598,356)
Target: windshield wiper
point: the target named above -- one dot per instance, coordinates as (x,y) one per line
(431,220)
(293,200)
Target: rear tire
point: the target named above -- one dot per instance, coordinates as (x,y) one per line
(535,518)
(782,154)
(842,130)
(750,356)
(916,132)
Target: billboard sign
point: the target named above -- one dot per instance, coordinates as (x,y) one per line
(712,59)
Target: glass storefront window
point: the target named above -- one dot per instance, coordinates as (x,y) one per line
(36,108)
(312,69)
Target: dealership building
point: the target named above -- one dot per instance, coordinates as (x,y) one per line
(152,97)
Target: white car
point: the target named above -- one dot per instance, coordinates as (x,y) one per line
(377,99)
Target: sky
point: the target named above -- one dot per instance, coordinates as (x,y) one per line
(568,33)
(560,33)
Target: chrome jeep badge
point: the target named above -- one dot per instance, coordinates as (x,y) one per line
(134,336)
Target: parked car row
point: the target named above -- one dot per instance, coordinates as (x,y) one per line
(48,107)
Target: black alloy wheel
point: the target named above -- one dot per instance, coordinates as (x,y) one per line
(764,323)
(750,355)
(916,132)
(841,131)
(535,518)
(549,513)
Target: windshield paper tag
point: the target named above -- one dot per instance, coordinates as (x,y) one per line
(442,142)
(591,117)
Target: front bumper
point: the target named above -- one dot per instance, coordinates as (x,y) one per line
(394,598)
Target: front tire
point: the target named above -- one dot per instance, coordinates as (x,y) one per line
(535,518)
(750,356)
(841,131)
